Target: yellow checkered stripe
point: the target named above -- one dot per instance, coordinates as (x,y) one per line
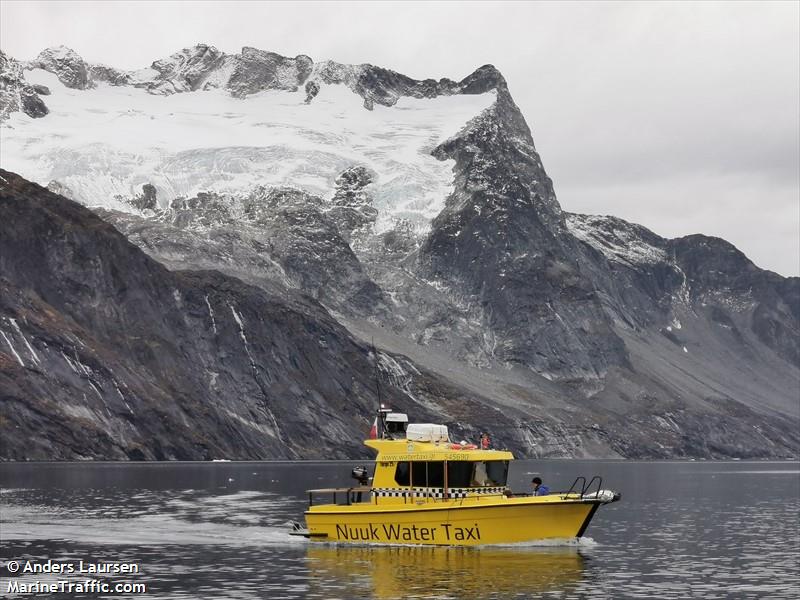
(418,492)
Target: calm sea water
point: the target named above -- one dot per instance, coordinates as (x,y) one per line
(218,530)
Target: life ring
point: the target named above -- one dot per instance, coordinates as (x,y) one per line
(463,447)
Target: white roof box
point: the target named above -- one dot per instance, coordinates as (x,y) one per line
(394,417)
(427,432)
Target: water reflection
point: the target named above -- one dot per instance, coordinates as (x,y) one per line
(435,572)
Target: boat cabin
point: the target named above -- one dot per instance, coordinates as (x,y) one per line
(424,465)
(427,465)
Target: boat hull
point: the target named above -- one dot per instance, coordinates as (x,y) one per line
(505,521)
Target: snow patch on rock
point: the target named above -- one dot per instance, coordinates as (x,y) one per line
(11,346)
(618,240)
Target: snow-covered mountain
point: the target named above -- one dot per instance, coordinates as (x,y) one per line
(103,144)
(245,124)
(419,215)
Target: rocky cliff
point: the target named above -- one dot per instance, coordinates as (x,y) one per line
(16,94)
(108,354)
(420,217)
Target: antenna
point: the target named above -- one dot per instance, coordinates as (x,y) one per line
(379,414)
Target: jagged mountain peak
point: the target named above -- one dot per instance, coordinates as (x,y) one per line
(203,66)
(482,79)
(187,59)
(60,52)
(618,240)
(634,245)
(67,64)
(706,248)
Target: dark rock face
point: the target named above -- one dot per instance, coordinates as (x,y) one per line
(646,279)
(32,105)
(66,64)
(100,339)
(719,272)
(386,87)
(501,240)
(276,238)
(16,93)
(307,243)
(695,332)
(204,210)
(351,206)
(312,89)
(108,354)
(258,70)
(482,80)
(110,75)
(151,364)
(147,200)
(350,184)
(186,70)
(401,240)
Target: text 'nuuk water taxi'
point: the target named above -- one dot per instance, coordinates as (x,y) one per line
(427,490)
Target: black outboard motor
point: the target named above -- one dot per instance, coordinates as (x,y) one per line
(361,475)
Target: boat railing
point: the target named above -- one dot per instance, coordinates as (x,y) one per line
(583,489)
(346,496)
(573,489)
(352,495)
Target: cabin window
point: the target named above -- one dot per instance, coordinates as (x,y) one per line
(402,474)
(436,474)
(479,476)
(461,474)
(496,472)
(420,474)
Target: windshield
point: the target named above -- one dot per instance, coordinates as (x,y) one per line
(477,473)
(460,473)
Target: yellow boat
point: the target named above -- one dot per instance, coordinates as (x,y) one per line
(427,490)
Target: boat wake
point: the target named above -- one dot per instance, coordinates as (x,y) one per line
(579,543)
(149,519)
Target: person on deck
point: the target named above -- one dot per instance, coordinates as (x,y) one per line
(538,488)
(485,442)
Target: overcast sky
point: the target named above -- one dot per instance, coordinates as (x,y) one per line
(683,117)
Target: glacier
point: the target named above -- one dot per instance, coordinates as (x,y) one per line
(103,144)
